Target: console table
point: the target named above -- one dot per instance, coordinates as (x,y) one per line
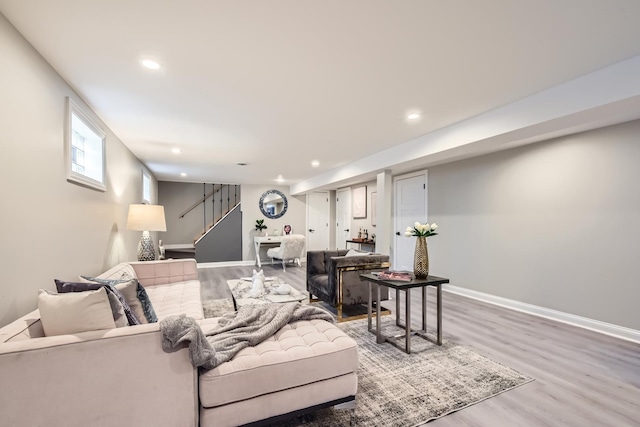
(368,243)
(405,286)
(265,240)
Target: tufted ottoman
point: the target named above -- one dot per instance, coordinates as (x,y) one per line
(305,364)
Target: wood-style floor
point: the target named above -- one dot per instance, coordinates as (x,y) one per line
(582,378)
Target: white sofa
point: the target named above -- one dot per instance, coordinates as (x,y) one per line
(121,376)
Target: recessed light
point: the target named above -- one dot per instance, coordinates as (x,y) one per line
(183,174)
(413,116)
(315,163)
(150,64)
(176,150)
(279,178)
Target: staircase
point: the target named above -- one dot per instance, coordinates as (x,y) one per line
(221,237)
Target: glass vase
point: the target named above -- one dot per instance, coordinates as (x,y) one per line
(421,259)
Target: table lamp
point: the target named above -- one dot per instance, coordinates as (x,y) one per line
(146,218)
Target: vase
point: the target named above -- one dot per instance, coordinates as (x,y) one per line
(421,259)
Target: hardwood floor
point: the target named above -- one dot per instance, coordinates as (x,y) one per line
(582,378)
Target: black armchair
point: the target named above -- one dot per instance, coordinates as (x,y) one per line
(335,278)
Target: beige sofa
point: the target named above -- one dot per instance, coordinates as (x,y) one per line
(121,376)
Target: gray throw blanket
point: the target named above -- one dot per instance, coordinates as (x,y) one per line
(247,327)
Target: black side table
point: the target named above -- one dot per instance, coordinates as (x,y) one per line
(405,286)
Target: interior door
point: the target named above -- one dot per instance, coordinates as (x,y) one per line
(343,217)
(410,206)
(318,221)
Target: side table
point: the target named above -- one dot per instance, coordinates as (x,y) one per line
(405,286)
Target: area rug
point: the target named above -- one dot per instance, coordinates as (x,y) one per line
(217,307)
(399,389)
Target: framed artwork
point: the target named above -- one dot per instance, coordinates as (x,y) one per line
(374,207)
(287,230)
(359,202)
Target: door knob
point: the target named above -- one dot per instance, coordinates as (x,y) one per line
(311,230)
(397,233)
(347,230)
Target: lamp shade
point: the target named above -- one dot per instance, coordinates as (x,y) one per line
(146,218)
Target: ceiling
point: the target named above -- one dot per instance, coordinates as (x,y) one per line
(277,84)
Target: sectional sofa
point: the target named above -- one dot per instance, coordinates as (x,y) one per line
(121,376)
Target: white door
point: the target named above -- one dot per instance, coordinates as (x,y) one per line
(410,206)
(343,217)
(318,221)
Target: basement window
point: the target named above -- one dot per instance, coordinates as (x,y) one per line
(85,147)
(146,187)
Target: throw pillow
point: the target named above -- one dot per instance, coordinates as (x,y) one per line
(75,312)
(148,312)
(121,271)
(119,314)
(117,311)
(130,291)
(64,287)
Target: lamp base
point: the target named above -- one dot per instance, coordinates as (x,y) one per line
(146,248)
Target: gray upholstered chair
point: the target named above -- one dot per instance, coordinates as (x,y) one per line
(291,249)
(334,278)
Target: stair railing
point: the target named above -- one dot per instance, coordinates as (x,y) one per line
(225,208)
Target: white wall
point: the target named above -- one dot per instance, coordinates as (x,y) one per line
(51,228)
(295,215)
(554,224)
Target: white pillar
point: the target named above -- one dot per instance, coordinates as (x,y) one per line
(384,226)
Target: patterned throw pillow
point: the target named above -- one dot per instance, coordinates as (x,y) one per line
(141,293)
(117,310)
(64,287)
(149,312)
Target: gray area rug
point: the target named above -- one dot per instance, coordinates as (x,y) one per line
(399,389)
(217,307)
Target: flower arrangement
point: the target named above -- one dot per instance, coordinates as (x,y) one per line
(420,230)
(260,225)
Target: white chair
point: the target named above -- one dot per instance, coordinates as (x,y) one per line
(291,249)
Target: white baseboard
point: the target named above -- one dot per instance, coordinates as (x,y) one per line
(226,264)
(245,263)
(559,316)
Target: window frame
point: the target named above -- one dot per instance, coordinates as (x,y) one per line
(73,176)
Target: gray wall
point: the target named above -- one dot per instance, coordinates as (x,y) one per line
(554,224)
(51,228)
(222,242)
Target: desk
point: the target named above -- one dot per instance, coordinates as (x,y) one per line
(405,286)
(265,240)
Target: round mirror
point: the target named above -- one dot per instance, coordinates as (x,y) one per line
(273,204)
